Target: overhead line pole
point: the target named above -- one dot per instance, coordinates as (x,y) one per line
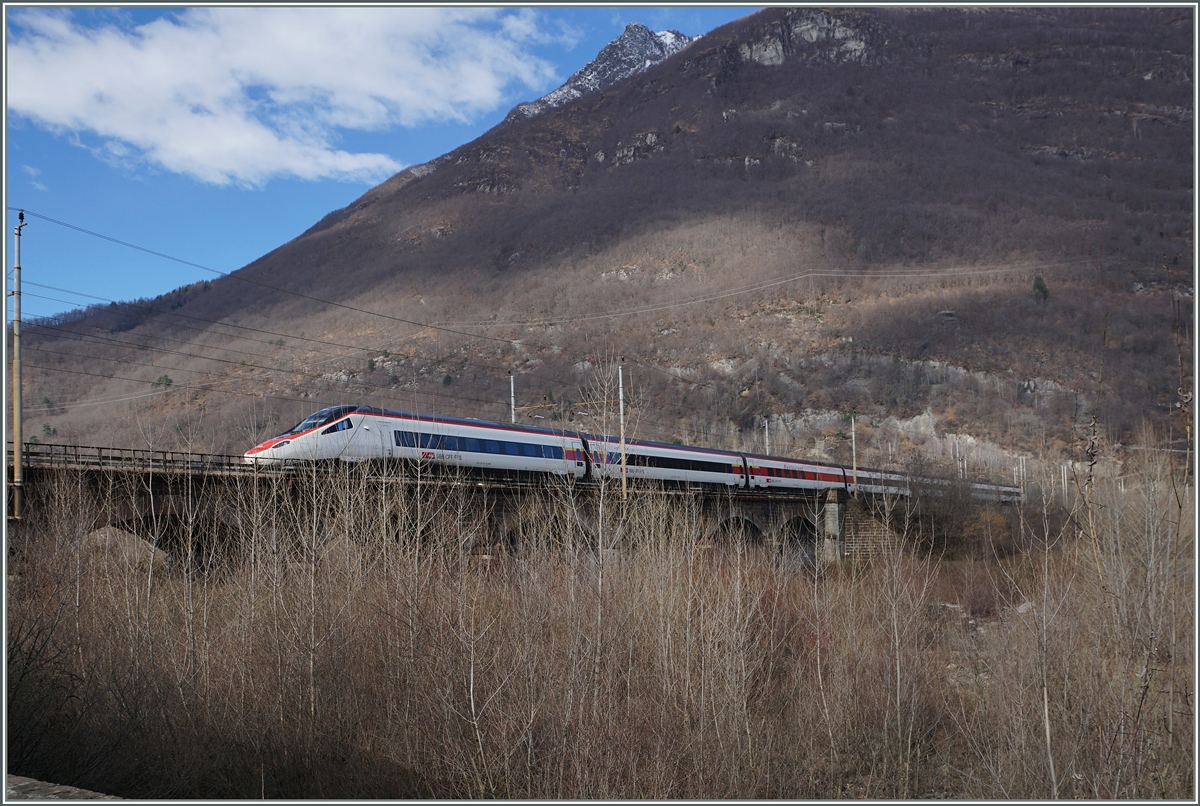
(621,398)
(854,452)
(18,475)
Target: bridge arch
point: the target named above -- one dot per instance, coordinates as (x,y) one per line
(737,528)
(798,541)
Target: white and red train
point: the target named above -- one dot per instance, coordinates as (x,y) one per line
(362,433)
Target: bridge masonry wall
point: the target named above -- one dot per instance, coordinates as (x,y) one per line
(865,534)
(851,530)
(841,526)
(829,526)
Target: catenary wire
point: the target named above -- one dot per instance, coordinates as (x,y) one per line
(268,369)
(307,339)
(267,286)
(213,389)
(377,389)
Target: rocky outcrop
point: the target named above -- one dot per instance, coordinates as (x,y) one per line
(816,35)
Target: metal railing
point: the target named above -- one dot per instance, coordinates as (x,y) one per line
(37,454)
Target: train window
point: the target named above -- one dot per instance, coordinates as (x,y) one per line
(552,452)
(512,448)
(450,443)
(320,418)
(436,442)
(673,463)
(406,439)
(491,446)
(532,449)
(471,445)
(344,425)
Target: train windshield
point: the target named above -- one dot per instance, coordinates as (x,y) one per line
(320,418)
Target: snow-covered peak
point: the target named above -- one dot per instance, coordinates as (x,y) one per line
(634,51)
(673,41)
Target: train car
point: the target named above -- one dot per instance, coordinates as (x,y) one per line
(361,433)
(878,482)
(775,473)
(1003,493)
(659,461)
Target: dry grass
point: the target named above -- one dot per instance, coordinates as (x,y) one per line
(360,646)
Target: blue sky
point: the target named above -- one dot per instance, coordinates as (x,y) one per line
(215,134)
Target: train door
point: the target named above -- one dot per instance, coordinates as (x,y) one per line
(587,457)
(359,445)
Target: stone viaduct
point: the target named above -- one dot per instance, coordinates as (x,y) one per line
(191,502)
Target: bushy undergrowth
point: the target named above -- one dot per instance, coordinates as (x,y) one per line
(362,644)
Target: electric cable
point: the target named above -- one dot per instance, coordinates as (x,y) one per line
(267,286)
(368,350)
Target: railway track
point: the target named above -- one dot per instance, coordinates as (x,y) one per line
(183,463)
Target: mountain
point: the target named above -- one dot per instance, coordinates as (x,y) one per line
(802,214)
(634,51)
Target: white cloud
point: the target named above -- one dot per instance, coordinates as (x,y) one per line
(240,95)
(34,173)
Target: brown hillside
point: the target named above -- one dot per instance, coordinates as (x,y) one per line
(804,213)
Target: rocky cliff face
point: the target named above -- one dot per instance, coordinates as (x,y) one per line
(635,50)
(817,36)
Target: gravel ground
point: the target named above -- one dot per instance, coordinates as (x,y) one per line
(18,788)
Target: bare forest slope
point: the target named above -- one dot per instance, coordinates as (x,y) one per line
(802,214)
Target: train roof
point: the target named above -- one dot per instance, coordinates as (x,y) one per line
(669,445)
(470,421)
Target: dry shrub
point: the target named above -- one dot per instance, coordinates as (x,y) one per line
(367,641)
